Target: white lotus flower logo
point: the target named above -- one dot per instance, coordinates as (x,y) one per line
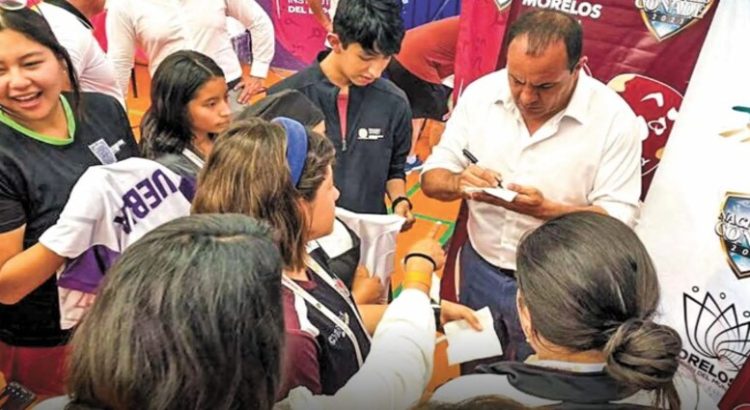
(716,332)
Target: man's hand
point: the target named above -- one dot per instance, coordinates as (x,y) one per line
(403,209)
(450,311)
(366,290)
(250,86)
(475,176)
(529,201)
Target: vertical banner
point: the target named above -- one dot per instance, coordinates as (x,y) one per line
(480,39)
(696,219)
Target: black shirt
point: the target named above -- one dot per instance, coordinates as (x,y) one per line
(378,136)
(337,359)
(36,178)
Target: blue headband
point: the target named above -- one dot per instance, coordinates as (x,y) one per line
(296,146)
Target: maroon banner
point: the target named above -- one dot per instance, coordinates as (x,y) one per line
(738,395)
(644,49)
(480,40)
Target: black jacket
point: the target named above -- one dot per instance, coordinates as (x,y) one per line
(378,136)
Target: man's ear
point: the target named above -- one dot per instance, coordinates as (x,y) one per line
(336,45)
(523,314)
(581,63)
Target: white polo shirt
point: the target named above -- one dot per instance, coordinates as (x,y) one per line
(588,154)
(95,72)
(161,27)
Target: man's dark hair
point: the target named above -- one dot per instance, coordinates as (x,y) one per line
(376,25)
(544,27)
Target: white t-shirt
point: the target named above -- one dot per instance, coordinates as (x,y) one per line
(587,154)
(95,72)
(109,208)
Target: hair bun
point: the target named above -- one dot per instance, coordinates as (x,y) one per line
(642,353)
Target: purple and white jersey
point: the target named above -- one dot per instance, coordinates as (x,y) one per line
(110,207)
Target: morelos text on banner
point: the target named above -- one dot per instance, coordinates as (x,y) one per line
(696,218)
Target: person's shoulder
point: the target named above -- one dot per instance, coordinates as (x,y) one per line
(93,100)
(54,403)
(96,103)
(54,14)
(394,97)
(297,81)
(488,87)
(473,385)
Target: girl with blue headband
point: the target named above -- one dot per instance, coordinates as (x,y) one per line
(282,173)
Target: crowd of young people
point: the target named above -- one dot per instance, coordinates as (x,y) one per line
(228,308)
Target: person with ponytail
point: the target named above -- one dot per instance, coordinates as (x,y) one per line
(587,296)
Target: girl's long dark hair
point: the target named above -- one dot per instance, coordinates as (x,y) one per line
(165,128)
(190,317)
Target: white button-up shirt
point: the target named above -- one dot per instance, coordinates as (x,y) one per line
(95,72)
(161,27)
(587,154)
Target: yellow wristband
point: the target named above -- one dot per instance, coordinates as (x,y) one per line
(418,278)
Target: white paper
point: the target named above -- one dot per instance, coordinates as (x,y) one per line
(377,234)
(502,193)
(466,344)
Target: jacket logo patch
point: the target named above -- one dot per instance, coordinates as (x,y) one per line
(369,134)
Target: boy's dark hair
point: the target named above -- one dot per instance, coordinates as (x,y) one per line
(376,25)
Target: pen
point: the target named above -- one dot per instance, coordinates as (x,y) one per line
(474,161)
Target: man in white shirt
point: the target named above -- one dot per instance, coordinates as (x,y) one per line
(161,27)
(559,138)
(70,24)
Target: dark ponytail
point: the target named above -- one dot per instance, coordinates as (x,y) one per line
(644,354)
(589,284)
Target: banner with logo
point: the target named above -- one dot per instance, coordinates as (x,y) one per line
(299,37)
(644,49)
(696,218)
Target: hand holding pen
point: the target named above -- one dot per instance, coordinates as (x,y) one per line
(476,176)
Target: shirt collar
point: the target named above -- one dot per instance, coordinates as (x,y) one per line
(577,107)
(567,366)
